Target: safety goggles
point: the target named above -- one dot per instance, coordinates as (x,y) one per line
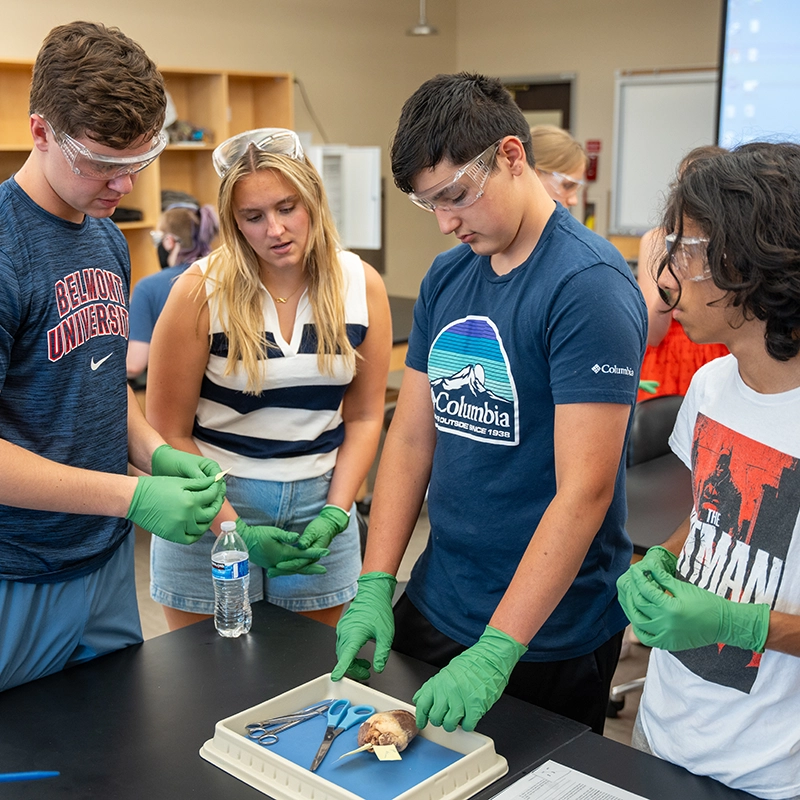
(463,188)
(99,167)
(688,257)
(565,185)
(158,236)
(279,141)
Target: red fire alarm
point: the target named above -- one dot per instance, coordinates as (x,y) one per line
(593,151)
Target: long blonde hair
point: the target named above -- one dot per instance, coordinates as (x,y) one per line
(234,272)
(556,151)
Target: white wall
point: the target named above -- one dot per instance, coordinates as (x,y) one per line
(592,39)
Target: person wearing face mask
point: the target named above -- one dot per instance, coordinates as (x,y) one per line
(560,163)
(183,235)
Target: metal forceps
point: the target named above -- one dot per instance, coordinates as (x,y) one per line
(266,732)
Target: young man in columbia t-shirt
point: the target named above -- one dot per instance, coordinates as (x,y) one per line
(521,373)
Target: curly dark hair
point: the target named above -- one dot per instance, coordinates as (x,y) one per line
(453,117)
(747,203)
(95,81)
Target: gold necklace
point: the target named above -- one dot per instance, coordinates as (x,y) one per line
(288,296)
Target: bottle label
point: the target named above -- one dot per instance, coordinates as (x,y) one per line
(229,572)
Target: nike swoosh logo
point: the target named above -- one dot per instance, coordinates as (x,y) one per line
(96,364)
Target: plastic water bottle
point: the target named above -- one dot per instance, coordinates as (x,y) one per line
(230,570)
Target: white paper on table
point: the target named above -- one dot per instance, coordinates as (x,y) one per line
(552,781)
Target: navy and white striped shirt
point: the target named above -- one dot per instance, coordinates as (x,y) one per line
(293,429)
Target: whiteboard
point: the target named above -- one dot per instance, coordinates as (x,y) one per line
(658,118)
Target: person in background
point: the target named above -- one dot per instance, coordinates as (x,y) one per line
(720,601)
(671,358)
(290,395)
(560,163)
(69,423)
(183,235)
(514,408)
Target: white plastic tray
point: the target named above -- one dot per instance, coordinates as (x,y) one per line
(280,778)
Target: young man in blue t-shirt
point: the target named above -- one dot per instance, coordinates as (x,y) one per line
(521,373)
(69,423)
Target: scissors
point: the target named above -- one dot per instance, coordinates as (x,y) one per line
(266,733)
(341,716)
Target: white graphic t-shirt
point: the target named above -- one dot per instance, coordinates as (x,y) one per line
(720,710)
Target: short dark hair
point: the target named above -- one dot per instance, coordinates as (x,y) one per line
(454,118)
(747,202)
(95,81)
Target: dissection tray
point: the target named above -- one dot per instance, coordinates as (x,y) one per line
(436,766)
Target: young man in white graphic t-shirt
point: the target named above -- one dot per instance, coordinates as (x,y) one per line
(720,601)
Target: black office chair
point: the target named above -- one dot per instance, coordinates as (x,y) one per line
(653,421)
(658,491)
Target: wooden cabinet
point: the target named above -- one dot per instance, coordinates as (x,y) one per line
(222,103)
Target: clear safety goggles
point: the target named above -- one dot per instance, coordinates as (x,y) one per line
(461,189)
(279,141)
(565,185)
(688,257)
(99,167)
(158,236)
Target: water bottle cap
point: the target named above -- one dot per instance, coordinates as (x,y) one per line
(228,526)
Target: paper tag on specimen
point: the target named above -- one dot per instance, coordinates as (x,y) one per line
(554,781)
(386,752)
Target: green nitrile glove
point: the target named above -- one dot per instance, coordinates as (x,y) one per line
(330,522)
(470,684)
(674,615)
(659,556)
(177,509)
(271,548)
(166,461)
(655,557)
(370,616)
(649,386)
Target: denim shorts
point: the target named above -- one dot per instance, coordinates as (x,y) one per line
(180,575)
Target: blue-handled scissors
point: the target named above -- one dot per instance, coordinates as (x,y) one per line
(341,716)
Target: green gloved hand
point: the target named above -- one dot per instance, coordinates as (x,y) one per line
(271,548)
(166,461)
(655,557)
(470,684)
(674,615)
(370,616)
(177,509)
(330,522)
(649,386)
(658,556)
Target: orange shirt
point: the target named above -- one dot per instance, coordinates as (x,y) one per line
(674,362)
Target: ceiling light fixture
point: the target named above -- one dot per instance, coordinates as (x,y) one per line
(422,28)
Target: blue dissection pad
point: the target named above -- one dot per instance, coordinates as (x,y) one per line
(362,773)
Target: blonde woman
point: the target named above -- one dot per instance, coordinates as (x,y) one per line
(561,163)
(282,342)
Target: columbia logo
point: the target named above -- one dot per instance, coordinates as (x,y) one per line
(613,369)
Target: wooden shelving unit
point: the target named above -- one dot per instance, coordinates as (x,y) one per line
(223,103)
